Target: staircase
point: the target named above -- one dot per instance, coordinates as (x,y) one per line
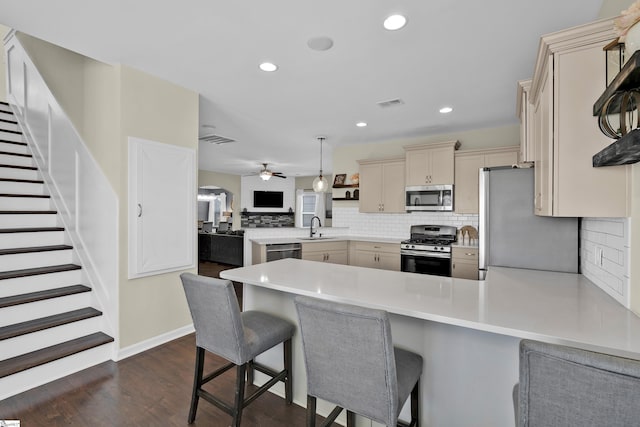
(48,327)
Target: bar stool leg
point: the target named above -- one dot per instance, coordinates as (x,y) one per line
(239,401)
(311,411)
(250,372)
(288,384)
(197,382)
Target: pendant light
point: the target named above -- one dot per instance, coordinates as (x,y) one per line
(320,184)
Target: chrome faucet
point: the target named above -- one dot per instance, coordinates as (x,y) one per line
(311,232)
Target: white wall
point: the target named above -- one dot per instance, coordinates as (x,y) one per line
(251,183)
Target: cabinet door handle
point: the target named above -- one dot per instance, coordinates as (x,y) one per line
(139,210)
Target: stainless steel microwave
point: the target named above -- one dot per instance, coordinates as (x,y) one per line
(429,198)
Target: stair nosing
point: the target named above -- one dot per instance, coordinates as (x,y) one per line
(9,153)
(41,196)
(15,132)
(32,168)
(27,272)
(22,181)
(47,322)
(30,230)
(43,295)
(52,353)
(34,249)
(13,122)
(47,212)
(8,141)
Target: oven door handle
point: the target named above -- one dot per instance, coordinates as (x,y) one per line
(423,254)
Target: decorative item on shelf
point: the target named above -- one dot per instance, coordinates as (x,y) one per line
(339,179)
(290,210)
(628,29)
(356,194)
(347,195)
(614,59)
(320,184)
(355,178)
(625,103)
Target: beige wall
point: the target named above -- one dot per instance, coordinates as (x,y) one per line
(305,182)
(230,183)
(345,158)
(160,111)
(3,63)
(612,8)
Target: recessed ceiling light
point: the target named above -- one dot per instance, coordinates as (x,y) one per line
(361,124)
(268,67)
(395,22)
(445,110)
(320,43)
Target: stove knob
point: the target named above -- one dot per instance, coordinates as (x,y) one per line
(413,246)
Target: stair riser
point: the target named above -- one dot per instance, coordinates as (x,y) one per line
(9,126)
(26,240)
(38,309)
(27,220)
(35,341)
(35,259)
(26,380)
(7,159)
(10,187)
(13,148)
(41,282)
(14,173)
(11,136)
(5,109)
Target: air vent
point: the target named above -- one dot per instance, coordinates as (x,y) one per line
(216,139)
(391,103)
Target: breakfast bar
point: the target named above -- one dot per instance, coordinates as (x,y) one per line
(467,331)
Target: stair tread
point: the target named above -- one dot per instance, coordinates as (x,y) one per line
(35,325)
(43,295)
(41,196)
(16,132)
(38,270)
(13,122)
(9,153)
(49,212)
(31,249)
(8,141)
(50,354)
(29,181)
(31,168)
(30,229)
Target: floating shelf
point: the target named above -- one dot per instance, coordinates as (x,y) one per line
(623,151)
(346,185)
(344,198)
(627,78)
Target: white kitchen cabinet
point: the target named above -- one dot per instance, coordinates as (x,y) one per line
(385,256)
(430,164)
(467,165)
(569,76)
(331,252)
(464,262)
(382,185)
(162,201)
(524,111)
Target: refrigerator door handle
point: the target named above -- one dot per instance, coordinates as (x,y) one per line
(483,233)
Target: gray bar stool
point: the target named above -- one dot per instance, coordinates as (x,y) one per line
(351,362)
(238,337)
(565,386)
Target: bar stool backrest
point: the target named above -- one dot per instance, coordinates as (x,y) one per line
(349,357)
(216,316)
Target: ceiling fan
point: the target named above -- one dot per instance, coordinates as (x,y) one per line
(266,174)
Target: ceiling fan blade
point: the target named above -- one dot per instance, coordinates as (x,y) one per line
(279,176)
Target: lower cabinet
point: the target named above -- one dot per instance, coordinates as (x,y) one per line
(464,263)
(385,256)
(332,252)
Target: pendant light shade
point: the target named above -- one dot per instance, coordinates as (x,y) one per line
(320,184)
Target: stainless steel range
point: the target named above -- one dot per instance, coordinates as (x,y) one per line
(428,251)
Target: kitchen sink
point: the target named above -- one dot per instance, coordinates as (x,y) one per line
(315,238)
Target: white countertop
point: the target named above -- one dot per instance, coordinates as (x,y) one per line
(553,307)
(330,238)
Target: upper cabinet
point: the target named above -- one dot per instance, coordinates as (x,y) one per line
(382,185)
(569,76)
(467,164)
(525,113)
(430,164)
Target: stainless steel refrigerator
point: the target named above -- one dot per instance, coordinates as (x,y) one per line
(511,235)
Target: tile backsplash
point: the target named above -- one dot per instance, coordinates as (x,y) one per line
(394,225)
(605,248)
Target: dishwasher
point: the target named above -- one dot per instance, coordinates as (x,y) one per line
(277,251)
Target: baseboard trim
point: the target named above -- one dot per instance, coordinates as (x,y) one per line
(150,343)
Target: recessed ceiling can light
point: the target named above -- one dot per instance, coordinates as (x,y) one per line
(445,110)
(320,43)
(268,67)
(361,124)
(395,22)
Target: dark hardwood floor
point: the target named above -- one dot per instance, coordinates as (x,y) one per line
(152,388)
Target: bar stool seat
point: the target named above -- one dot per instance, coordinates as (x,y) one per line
(238,337)
(351,362)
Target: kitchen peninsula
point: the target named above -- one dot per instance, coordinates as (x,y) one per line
(467,331)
